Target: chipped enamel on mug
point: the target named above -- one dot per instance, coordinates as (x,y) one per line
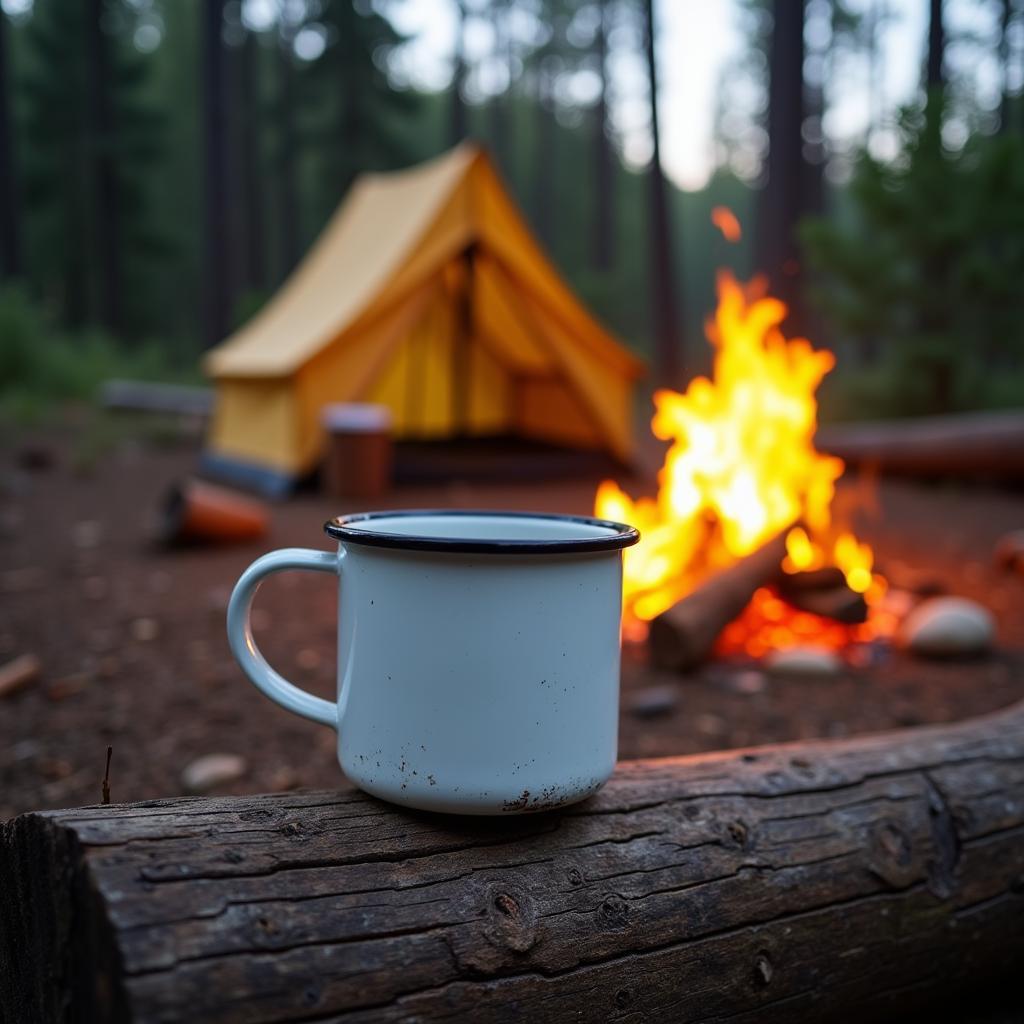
(478,655)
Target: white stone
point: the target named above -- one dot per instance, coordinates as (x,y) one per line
(145,630)
(804,661)
(212,770)
(948,627)
(653,701)
(86,534)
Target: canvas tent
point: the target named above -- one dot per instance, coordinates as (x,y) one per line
(425,292)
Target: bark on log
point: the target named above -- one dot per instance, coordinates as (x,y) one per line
(684,636)
(987,445)
(834,880)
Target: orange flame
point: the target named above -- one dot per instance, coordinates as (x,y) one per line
(742,466)
(725,220)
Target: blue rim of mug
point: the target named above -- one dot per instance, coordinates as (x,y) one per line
(346,528)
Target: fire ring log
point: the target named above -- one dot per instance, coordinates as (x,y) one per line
(816,881)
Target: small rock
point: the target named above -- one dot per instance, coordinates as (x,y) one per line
(653,701)
(145,630)
(948,627)
(709,724)
(747,682)
(804,661)
(1009,552)
(212,770)
(309,658)
(55,768)
(18,673)
(86,534)
(68,686)
(24,750)
(217,600)
(283,778)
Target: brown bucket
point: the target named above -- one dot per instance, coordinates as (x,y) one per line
(359,457)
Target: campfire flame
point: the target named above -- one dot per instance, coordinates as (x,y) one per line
(741,468)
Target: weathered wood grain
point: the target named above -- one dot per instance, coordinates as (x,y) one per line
(861,878)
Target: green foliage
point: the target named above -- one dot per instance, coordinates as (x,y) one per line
(922,282)
(357,120)
(41,363)
(62,150)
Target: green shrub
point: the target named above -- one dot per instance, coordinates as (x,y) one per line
(922,281)
(41,365)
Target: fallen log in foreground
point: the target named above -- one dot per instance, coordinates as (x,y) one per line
(973,445)
(839,880)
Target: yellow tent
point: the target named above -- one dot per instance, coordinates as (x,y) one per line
(427,293)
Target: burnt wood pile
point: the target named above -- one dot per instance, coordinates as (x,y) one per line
(862,878)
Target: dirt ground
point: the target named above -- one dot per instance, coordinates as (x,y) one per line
(134,655)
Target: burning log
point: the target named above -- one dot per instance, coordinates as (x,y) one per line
(682,637)
(877,877)
(823,592)
(840,604)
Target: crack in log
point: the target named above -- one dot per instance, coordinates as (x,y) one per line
(945,841)
(296,865)
(499,979)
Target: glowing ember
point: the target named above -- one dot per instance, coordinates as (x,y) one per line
(741,467)
(725,220)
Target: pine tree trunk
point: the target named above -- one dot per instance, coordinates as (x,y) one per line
(604,171)
(544,162)
(288,205)
(457,113)
(249,172)
(665,314)
(934,78)
(875,71)
(102,132)
(215,183)
(781,201)
(1004,65)
(498,106)
(10,225)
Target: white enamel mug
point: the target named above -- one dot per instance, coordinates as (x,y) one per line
(478,655)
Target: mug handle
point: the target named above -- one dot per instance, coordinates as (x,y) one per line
(243,644)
